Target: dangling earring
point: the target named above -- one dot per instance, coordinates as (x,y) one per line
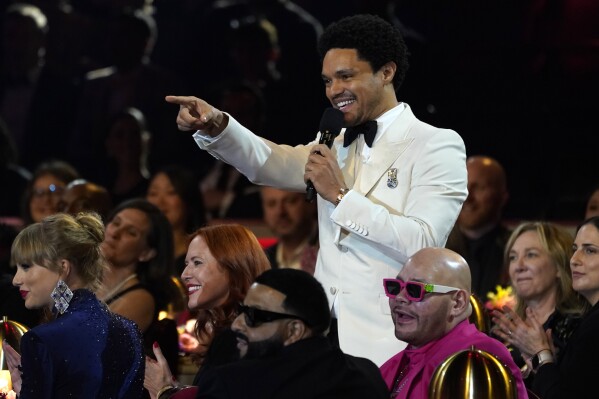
(61,295)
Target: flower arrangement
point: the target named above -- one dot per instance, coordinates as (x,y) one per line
(500,298)
(188,343)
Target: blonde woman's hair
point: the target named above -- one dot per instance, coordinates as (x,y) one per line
(63,236)
(557,242)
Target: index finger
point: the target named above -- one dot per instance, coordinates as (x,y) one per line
(159,356)
(181,100)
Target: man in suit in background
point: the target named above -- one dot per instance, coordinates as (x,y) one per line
(293,221)
(479,235)
(381,197)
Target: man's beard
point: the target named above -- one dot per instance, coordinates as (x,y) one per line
(265,348)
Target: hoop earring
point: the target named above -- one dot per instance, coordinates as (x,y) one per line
(62,296)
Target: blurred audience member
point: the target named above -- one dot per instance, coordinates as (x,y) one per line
(139,248)
(45,189)
(127,149)
(259,35)
(538,259)
(255,51)
(130,81)
(13,178)
(22,54)
(222,262)
(84,348)
(572,373)
(293,221)
(478,235)
(227,193)
(36,77)
(592,205)
(174,190)
(433,320)
(81,195)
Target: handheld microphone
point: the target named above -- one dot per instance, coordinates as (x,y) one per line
(331,123)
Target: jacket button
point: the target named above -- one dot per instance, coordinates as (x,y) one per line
(333,290)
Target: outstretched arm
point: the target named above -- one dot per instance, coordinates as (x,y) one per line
(197,114)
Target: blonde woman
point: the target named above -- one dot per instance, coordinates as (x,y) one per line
(84,350)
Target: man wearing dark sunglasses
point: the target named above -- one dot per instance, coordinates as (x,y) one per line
(280,333)
(430,306)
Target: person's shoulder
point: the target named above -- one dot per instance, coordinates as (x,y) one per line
(125,323)
(360,362)
(422,130)
(590,321)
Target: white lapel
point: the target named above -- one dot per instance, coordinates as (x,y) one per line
(385,151)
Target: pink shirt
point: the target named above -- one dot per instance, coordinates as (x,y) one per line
(424,360)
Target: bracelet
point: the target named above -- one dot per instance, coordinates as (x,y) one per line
(540,358)
(342,192)
(164,389)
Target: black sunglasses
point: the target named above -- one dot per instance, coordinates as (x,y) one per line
(254,317)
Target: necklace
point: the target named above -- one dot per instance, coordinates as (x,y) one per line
(400,381)
(118,287)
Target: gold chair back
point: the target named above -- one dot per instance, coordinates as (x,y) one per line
(11,332)
(472,374)
(480,316)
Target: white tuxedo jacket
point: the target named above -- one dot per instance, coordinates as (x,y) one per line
(376,227)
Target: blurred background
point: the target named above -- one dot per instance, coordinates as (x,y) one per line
(517,79)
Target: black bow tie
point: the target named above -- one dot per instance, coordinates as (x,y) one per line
(368,129)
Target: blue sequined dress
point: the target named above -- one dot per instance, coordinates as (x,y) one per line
(88,352)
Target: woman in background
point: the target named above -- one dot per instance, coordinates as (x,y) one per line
(174,190)
(572,372)
(138,246)
(139,281)
(538,260)
(127,148)
(85,351)
(44,192)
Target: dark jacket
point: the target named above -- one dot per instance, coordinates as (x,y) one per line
(310,368)
(574,376)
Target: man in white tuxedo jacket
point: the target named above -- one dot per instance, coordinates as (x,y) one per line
(378,202)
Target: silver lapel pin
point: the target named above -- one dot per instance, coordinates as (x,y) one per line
(392,178)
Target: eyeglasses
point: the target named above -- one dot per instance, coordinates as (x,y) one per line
(255,317)
(415,290)
(52,190)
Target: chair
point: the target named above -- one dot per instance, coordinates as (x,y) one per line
(480,316)
(472,373)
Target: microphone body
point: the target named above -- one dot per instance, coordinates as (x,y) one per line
(331,123)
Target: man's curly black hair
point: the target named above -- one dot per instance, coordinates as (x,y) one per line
(376,41)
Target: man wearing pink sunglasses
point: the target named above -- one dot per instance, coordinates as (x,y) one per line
(430,306)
